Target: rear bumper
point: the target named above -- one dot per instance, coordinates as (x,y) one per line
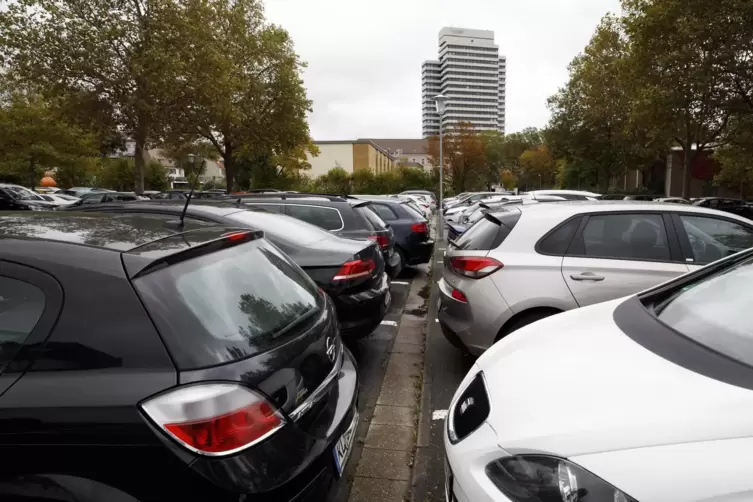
(359,314)
(295,466)
(473,325)
(419,253)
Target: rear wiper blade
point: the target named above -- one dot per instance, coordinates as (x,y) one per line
(296,322)
(453,242)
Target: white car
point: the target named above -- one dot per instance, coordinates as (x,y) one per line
(648,399)
(565,194)
(423,202)
(61,200)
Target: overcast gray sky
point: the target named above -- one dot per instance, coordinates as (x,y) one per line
(364,57)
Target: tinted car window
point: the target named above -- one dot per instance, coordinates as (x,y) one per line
(374,220)
(277,208)
(557,242)
(21,306)
(413,210)
(325,217)
(92,199)
(383,211)
(626,236)
(488,233)
(712,239)
(229,304)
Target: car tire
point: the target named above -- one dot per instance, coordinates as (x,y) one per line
(400,253)
(525,320)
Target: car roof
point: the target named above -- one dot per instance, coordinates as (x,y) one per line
(569,208)
(117,232)
(214,206)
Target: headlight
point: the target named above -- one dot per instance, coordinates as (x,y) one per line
(539,478)
(469,411)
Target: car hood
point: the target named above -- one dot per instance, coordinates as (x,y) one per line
(574,384)
(40,203)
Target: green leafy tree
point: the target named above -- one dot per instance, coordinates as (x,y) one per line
(242,85)
(538,167)
(494,144)
(35,137)
(680,75)
(116,174)
(736,157)
(120,55)
(156,177)
(463,156)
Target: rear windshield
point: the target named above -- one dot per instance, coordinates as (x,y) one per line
(374,220)
(413,210)
(230,304)
(488,233)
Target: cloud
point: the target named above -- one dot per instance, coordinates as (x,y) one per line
(364,57)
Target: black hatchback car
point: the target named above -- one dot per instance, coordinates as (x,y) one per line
(344,216)
(141,364)
(350,271)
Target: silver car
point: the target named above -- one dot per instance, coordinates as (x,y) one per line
(525,262)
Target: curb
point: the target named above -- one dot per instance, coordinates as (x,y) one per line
(423,437)
(387,461)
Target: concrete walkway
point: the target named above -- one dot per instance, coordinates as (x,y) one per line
(384,471)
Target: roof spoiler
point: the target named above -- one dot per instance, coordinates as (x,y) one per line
(138,263)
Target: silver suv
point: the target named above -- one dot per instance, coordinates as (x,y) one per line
(521,264)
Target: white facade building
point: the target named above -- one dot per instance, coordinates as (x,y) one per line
(472,74)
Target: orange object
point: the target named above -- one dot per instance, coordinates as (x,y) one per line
(48,182)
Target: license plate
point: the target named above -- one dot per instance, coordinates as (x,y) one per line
(344,445)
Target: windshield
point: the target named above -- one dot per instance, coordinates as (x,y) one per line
(714,312)
(21,193)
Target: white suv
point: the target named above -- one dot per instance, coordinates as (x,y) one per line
(524,263)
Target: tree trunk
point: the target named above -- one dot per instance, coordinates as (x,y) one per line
(227,157)
(687,159)
(32,175)
(139,165)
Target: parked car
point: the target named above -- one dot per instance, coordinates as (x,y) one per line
(456,212)
(351,272)
(528,262)
(450,200)
(734,206)
(102,197)
(141,363)
(672,200)
(469,199)
(454,231)
(565,194)
(412,240)
(422,201)
(170,194)
(18,198)
(343,216)
(78,192)
(674,364)
(61,200)
(426,193)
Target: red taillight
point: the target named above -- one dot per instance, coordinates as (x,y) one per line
(459,296)
(214,419)
(382,240)
(475,267)
(355,269)
(236,236)
(419,228)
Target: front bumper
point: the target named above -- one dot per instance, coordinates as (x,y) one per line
(360,313)
(293,465)
(465,470)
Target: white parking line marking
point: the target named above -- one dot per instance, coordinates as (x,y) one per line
(436,319)
(388,323)
(442,249)
(401,283)
(439,415)
(440,261)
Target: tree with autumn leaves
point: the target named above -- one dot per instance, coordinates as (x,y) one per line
(164,72)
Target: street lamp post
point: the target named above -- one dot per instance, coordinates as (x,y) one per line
(441,101)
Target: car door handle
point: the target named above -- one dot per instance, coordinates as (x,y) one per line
(587,276)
